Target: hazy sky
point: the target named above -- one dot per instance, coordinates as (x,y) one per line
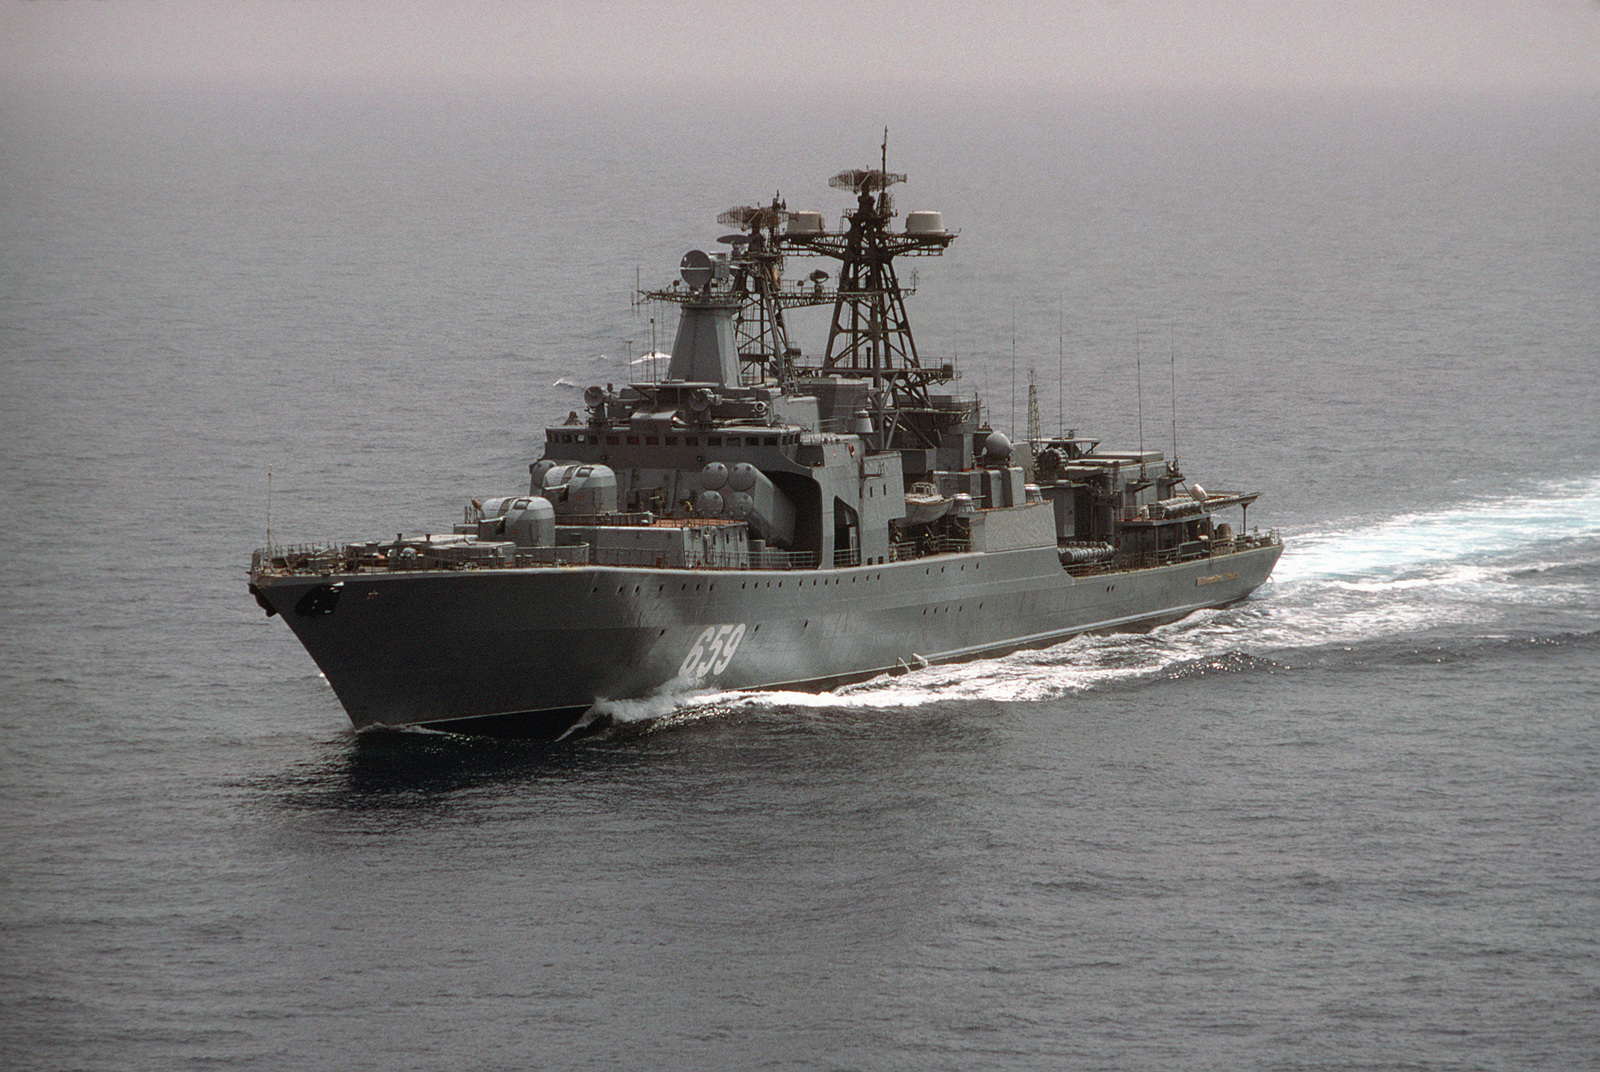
(807,43)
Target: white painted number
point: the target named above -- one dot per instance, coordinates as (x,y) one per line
(729,646)
(712,652)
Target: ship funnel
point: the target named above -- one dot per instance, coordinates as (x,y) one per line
(704,351)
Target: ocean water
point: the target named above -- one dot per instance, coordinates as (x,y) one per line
(1348,824)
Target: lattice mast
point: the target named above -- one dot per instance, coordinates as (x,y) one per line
(757,268)
(1035,434)
(870,334)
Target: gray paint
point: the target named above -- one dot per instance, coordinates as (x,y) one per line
(887,527)
(429,647)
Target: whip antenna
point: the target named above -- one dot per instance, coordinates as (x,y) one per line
(1173,353)
(1138,383)
(1061,369)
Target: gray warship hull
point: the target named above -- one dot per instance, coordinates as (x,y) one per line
(530,651)
(758,519)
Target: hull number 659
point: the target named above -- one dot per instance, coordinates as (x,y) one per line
(712,651)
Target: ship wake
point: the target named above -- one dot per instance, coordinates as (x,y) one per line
(1515,567)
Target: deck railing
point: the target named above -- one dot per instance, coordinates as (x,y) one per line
(943,545)
(467,555)
(359,558)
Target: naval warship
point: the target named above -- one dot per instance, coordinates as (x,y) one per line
(760,518)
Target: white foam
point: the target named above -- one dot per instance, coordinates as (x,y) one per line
(1464,533)
(1452,567)
(657,705)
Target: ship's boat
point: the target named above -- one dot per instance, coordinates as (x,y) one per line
(759,519)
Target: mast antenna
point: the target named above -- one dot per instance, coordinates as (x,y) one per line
(883,168)
(1138,382)
(1173,346)
(1013,428)
(1033,414)
(1061,369)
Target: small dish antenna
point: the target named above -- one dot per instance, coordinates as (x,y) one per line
(696,269)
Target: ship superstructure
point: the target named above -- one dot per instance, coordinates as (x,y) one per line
(759,518)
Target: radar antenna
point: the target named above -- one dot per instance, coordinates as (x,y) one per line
(870,334)
(757,267)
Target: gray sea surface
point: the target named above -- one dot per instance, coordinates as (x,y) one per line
(1348,824)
